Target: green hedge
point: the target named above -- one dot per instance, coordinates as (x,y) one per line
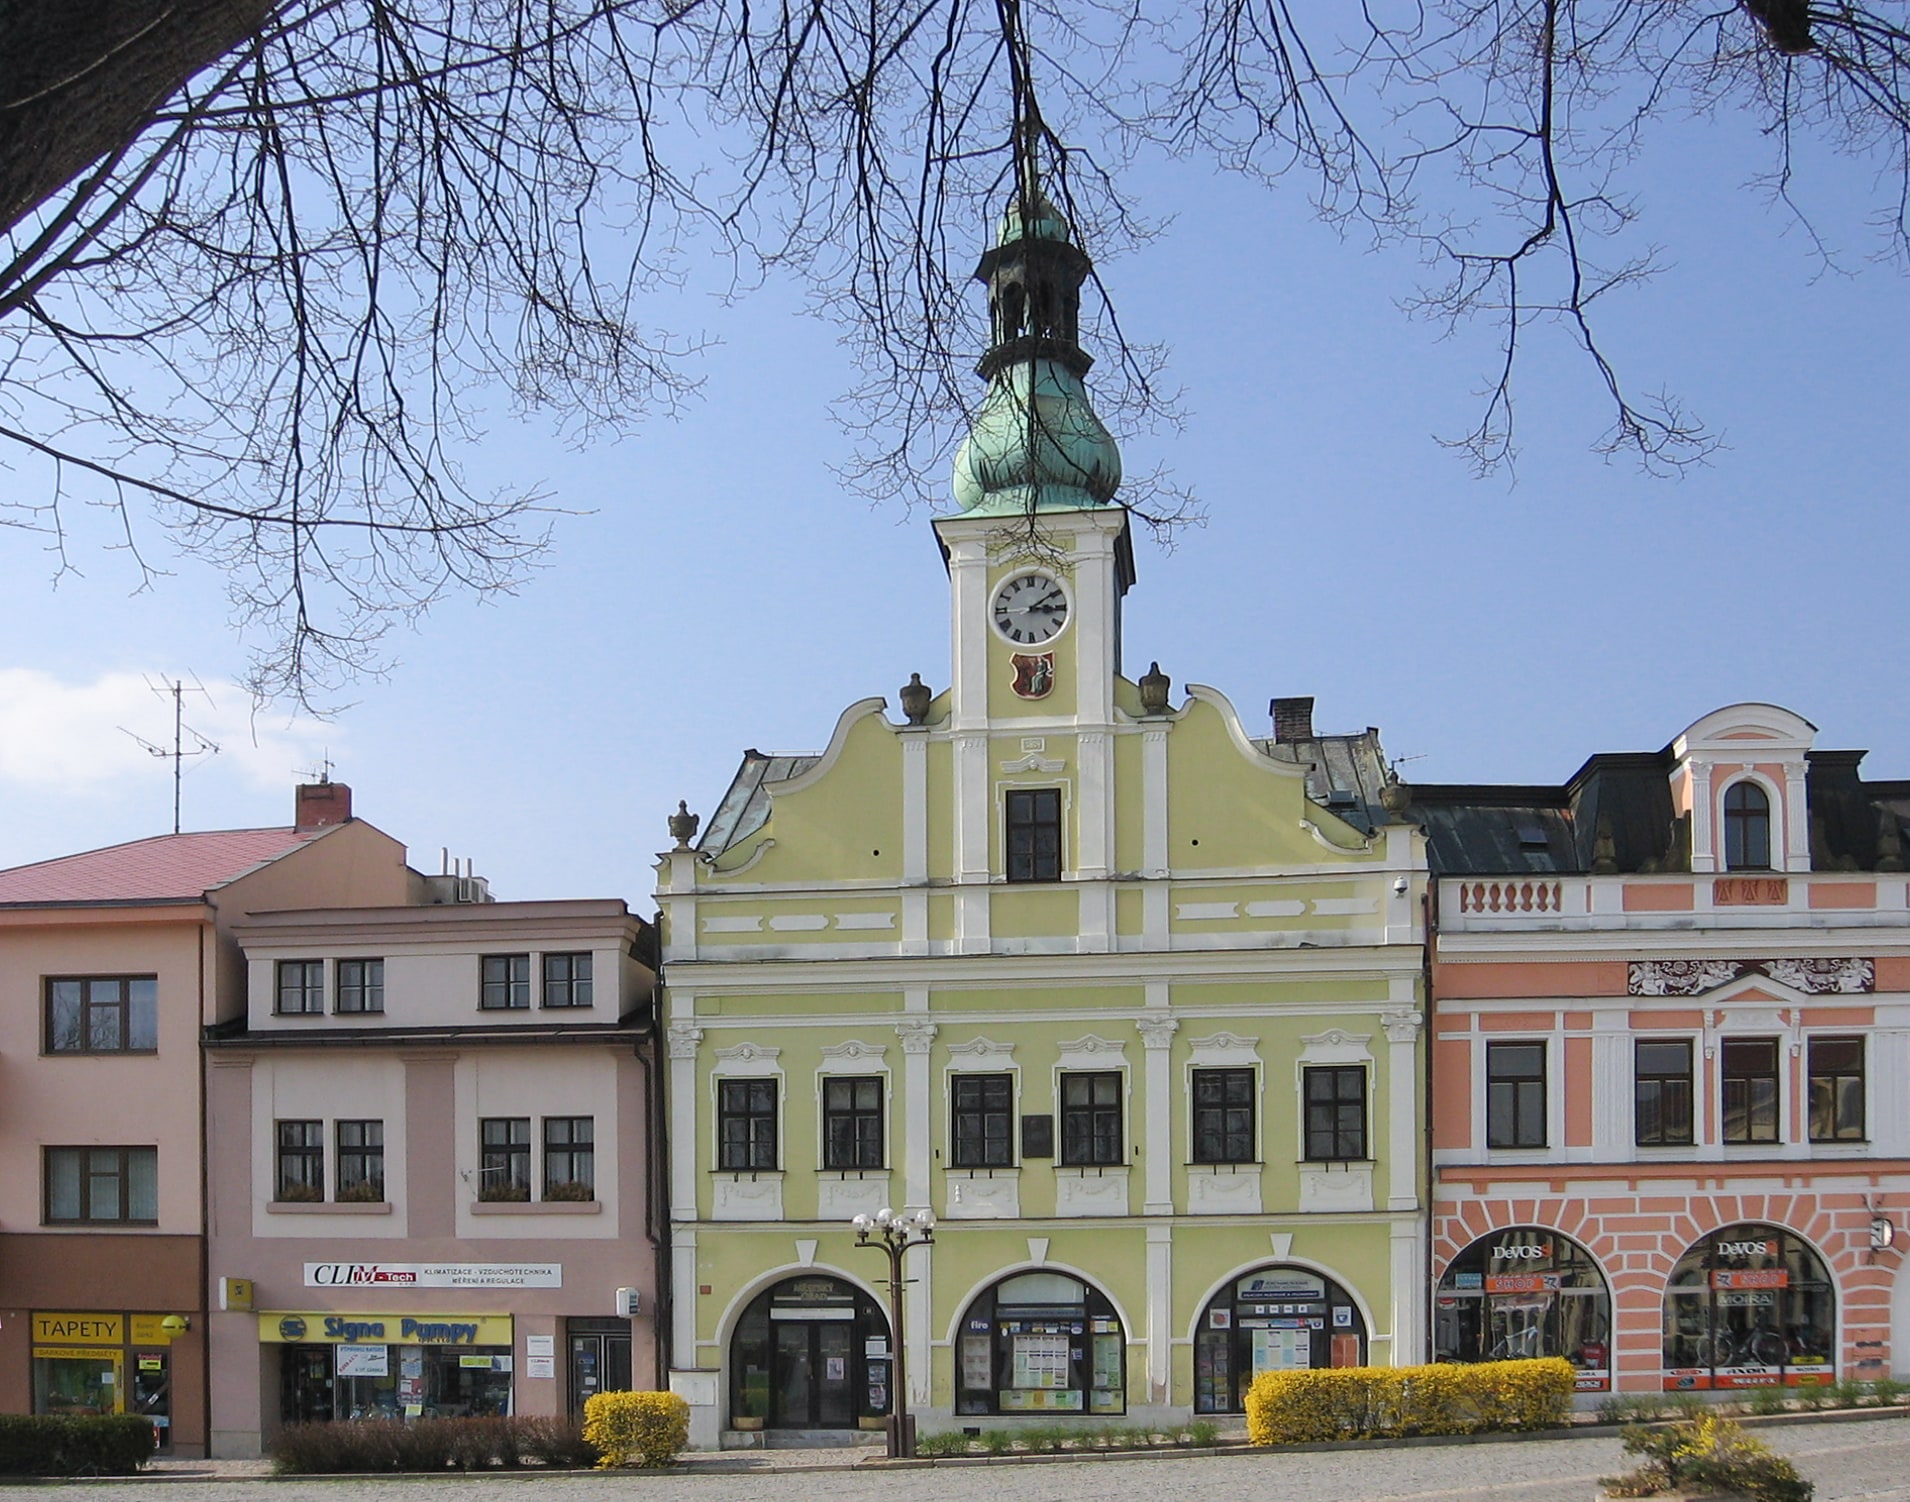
(359,1446)
(43,1445)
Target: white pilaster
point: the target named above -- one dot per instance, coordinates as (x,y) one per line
(1154,835)
(1157,1037)
(1610,1084)
(914,841)
(918,1038)
(683,1039)
(683,1296)
(1409,1292)
(1160,1311)
(1403,1124)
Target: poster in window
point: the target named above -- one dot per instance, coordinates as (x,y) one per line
(1343,1317)
(364,1361)
(1281,1351)
(977,1362)
(1107,1361)
(1040,1361)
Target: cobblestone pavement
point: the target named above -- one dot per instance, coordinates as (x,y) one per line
(1848,1461)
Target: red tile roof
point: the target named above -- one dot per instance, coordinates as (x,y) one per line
(168,867)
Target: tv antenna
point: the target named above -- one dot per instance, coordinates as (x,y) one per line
(179,750)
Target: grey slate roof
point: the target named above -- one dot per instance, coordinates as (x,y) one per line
(744,809)
(1344,772)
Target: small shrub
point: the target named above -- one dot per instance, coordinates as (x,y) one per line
(114,1444)
(998,1441)
(1887,1392)
(554,1442)
(1765,1401)
(370,1446)
(949,1442)
(1848,1392)
(1707,1454)
(1381,1402)
(637,1428)
(1203,1431)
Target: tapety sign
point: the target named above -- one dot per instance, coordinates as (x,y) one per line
(403,1275)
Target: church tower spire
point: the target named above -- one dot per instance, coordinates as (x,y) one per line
(1036,443)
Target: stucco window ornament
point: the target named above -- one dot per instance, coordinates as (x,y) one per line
(1824,977)
(1815,977)
(1679,977)
(748,1053)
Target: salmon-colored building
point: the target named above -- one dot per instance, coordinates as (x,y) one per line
(1670,1054)
(111,962)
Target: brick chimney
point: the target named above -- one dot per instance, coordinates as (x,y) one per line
(1292,718)
(321,805)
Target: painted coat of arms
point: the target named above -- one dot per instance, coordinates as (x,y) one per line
(1034,674)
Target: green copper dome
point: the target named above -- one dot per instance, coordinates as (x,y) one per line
(1036,443)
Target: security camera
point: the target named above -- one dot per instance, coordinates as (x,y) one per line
(1399,886)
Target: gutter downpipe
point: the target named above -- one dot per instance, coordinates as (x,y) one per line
(1426,1135)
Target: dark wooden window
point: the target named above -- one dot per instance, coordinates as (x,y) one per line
(1091,1118)
(361,986)
(101,1186)
(852,1122)
(1034,834)
(1224,1116)
(1837,1089)
(1747,828)
(102,1014)
(507,983)
(301,1160)
(984,1121)
(1515,1095)
(1750,1089)
(1661,1092)
(504,1158)
(301,987)
(567,980)
(361,1161)
(570,1158)
(746,1124)
(1335,1113)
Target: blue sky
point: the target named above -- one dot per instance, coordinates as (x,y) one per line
(721,591)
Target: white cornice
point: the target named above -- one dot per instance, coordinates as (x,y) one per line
(1644,943)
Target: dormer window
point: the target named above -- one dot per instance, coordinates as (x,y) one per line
(1747,828)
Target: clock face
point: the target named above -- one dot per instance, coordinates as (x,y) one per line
(1031,609)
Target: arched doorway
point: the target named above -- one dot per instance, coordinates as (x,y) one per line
(1272,1319)
(1041,1342)
(1525,1292)
(1749,1306)
(810,1352)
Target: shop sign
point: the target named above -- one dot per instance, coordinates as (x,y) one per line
(79,1329)
(1280,1283)
(1526,1252)
(434,1275)
(150,1330)
(321,1328)
(1767,1277)
(1524,1283)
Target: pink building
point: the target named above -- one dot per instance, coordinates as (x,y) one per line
(111,964)
(1670,1046)
(428,1159)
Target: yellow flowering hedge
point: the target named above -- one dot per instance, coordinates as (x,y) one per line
(636,1428)
(1386,1402)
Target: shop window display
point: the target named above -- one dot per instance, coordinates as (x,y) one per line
(1526,1292)
(1273,1319)
(1749,1306)
(1041,1342)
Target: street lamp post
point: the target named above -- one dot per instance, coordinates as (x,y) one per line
(895,1234)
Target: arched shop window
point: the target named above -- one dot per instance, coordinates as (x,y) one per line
(1749,1306)
(810,1353)
(1526,1292)
(1273,1319)
(1041,1342)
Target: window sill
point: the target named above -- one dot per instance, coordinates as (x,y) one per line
(872,1171)
(328,1207)
(537,1207)
(743,1175)
(94,1227)
(1351,1163)
(1225,1165)
(98,1053)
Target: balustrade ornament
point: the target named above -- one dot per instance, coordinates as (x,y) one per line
(1515,896)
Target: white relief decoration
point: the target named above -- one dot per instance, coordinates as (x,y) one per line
(1157,1032)
(1336,1046)
(1678,977)
(743,1198)
(982,1048)
(747,1053)
(844,1199)
(806,1253)
(683,1040)
(974,1197)
(1344,907)
(1091,1048)
(798,922)
(1223,1193)
(1402,1024)
(1038,1250)
(732,925)
(1281,909)
(1846,977)
(860,921)
(1336,1189)
(1197,911)
(917,1037)
(1090,1192)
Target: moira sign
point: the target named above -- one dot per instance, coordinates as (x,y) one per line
(434,1275)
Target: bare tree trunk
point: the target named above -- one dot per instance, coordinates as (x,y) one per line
(78,78)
